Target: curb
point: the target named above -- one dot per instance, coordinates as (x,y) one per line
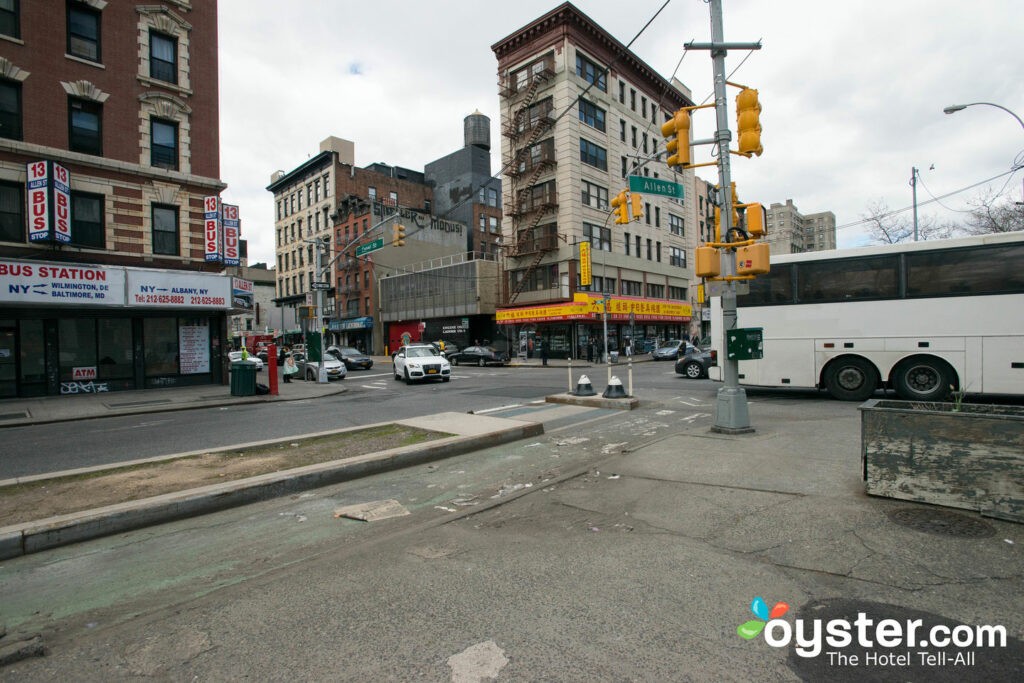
(627,403)
(34,536)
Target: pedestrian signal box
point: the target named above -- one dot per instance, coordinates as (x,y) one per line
(745,343)
(709,262)
(753,259)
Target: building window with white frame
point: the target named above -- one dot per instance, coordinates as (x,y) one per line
(599,238)
(594,196)
(675,225)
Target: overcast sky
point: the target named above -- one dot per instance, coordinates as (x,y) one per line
(852,91)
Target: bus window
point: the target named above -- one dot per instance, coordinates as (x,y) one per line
(985,270)
(853,279)
(776,287)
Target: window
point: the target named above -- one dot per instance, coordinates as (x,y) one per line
(492,197)
(645,143)
(85,127)
(83,32)
(164,146)
(592,115)
(657,252)
(649,249)
(593,155)
(647,215)
(483,223)
(622,92)
(279,214)
(165,230)
(327,188)
(677,293)
(634,137)
(426,205)
(495,225)
(654,113)
(775,287)
(10,22)
(866,278)
(656,291)
(622,129)
(643,106)
(627,243)
(394,197)
(594,195)
(632,99)
(12,212)
(677,257)
(632,288)
(599,238)
(10,109)
(316,189)
(87,215)
(625,168)
(590,72)
(675,224)
(372,192)
(638,246)
(163,57)
(309,194)
(657,218)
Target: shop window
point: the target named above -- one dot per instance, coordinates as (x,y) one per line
(87,229)
(33,360)
(160,346)
(77,344)
(114,349)
(12,213)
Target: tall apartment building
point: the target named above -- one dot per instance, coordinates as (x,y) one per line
(560,172)
(109,143)
(790,232)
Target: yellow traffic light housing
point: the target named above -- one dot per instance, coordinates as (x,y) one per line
(398,235)
(678,147)
(748,125)
(620,208)
(637,206)
(756,220)
(753,259)
(709,262)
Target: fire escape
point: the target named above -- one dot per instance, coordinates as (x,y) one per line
(526,209)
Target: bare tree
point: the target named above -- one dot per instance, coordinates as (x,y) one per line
(990,214)
(891,227)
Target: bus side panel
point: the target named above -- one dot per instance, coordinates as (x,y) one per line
(786,362)
(998,375)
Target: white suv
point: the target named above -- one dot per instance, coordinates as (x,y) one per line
(421,361)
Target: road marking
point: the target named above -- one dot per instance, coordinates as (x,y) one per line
(693,417)
(494,410)
(141,425)
(693,405)
(370,386)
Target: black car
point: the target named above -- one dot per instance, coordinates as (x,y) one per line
(353,358)
(263,356)
(694,363)
(478,355)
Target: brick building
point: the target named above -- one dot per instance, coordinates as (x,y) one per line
(109,143)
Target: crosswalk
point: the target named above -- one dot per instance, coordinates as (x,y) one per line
(384,381)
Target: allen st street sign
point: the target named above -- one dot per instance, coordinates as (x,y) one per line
(664,188)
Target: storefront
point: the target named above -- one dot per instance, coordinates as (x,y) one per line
(354,332)
(577,327)
(70,329)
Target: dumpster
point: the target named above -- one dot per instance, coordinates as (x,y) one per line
(243,378)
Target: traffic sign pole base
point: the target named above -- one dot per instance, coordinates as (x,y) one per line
(731,414)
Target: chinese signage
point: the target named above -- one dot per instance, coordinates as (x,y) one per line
(55,283)
(619,309)
(585,264)
(231,234)
(48,193)
(212,239)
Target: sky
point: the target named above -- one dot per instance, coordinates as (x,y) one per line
(852,92)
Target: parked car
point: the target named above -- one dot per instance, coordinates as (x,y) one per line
(264,356)
(298,348)
(668,350)
(421,361)
(310,369)
(478,355)
(236,356)
(352,358)
(695,362)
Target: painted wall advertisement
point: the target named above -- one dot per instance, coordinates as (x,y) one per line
(194,348)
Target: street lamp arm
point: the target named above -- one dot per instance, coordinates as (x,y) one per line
(952,109)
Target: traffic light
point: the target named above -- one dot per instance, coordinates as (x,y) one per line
(709,262)
(679,146)
(748,125)
(756,220)
(638,206)
(753,259)
(307,312)
(398,235)
(620,206)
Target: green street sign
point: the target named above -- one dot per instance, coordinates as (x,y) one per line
(370,246)
(664,188)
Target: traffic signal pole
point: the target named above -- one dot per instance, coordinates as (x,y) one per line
(731,413)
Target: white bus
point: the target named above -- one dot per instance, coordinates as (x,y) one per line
(918,318)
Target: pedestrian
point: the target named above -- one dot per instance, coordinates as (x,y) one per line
(590,350)
(629,347)
(290,368)
(544,351)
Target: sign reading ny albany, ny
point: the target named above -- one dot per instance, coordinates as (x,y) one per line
(48,193)
(664,188)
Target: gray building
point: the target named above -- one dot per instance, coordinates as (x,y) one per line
(790,232)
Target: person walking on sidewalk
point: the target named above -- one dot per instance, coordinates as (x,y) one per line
(290,368)
(544,352)
(629,347)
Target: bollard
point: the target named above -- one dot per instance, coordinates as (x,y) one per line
(570,372)
(584,388)
(614,389)
(630,374)
(272,368)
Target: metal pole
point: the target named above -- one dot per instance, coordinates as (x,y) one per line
(570,372)
(731,413)
(321,375)
(913,185)
(607,358)
(631,374)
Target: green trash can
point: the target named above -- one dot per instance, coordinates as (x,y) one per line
(243,378)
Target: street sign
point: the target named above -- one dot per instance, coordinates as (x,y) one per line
(370,246)
(645,185)
(718,288)
(585,264)
(320,285)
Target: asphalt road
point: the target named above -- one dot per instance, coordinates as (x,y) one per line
(372,396)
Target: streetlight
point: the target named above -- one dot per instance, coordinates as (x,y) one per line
(953,108)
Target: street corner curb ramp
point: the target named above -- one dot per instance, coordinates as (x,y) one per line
(472,432)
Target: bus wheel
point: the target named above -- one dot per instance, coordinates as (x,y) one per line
(922,379)
(851,379)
